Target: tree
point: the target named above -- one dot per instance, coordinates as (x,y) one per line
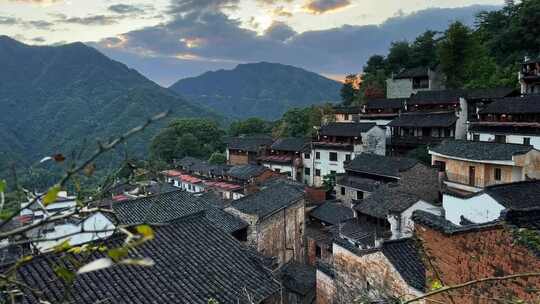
(249,126)
(301,122)
(455,54)
(373,84)
(349,90)
(187,137)
(423,51)
(399,56)
(217,159)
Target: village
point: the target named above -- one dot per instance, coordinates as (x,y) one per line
(342,217)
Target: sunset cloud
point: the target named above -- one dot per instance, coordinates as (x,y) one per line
(318,7)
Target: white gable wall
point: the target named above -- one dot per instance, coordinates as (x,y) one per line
(480,208)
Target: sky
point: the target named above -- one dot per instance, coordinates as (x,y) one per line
(167,40)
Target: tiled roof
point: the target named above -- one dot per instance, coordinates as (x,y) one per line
(282,159)
(517,196)
(346,110)
(394,103)
(420,120)
(380,165)
(525,219)
(362,233)
(386,200)
(203,167)
(245,172)
(269,200)
(406,258)
(360,183)
(452,96)
(346,128)
(194,262)
(412,72)
(517,105)
(299,278)
(170,206)
(325,268)
(480,150)
(437,97)
(332,212)
(292,144)
(441,224)
(250,143)
(491,93)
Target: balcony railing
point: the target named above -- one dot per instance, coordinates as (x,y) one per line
(478,181)
(414,140)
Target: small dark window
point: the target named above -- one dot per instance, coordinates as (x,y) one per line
(500,139)
(346,116)
(317,155)
(307,155)
(342,190)
(527,141)
(476,137)
(277,170)
(318,251)
(333,156)
(359,195)
(317,172)
(307,171)
(288,173)
(440,165)
(347,157)
(333,172)
(498,174)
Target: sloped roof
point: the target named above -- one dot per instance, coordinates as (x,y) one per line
(420,120)
(480,150)
(412,72)
(516,105)
(360,183)
(297,277)
(453,95)
(517,196)
(406,258)
(332,212)
(386,200)
(346,128)
(362,233)
(194,262)
(380,165)
(292,144)
(195,164)
(443,225)
(394,103)
(166,207)
(245,172)
(269,200)
(250,143)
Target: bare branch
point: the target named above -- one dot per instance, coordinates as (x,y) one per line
(474,282)
(102,148)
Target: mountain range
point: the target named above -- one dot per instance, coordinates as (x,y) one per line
(264,90)
(54,99)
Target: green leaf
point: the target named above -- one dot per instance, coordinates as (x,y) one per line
(65,274)
(62,246)
(3,185)
(51,195)
(146,231)
(436,285)
(117,254)
(96,265)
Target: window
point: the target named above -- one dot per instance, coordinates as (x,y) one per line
(527,141)
(333,172)
(346,116)
(359,195)
(476,137)
(307,155)
(317,172)
(440,165)
(333,156)
(317,155)
(498,174)
(347,157)
(500,139)
(277,170)
(342,190)
(318,251)
(307,171)
(289,174)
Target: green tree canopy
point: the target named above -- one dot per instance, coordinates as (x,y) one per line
(187,137)
(349,91)
(249,126)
